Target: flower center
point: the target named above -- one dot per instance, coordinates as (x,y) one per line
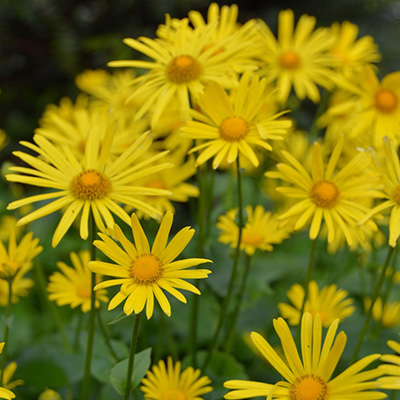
(289,60)
(251,238)
(83,290)
(324,194)
(174,395)
(183,69)
(146,269)
(385,100)
(90,185)
(308,387)
(233,129)
(156,184)
(396,194)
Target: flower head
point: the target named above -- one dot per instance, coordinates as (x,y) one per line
(387,314)
(311,377)
(5,393)
(8,373)
(392,368)
(144,273)
(169,382)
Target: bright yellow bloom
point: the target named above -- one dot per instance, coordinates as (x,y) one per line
(8,223)
(330,303)
(8,373)
(392,369)
(311,377)
(169,382)
(298,58)
(94,183)
(142,272)
(49,394)
(232,125)
(5,393)
(260,230)
(3,139)
(327,195)
(72,286)
(20,286)
(388,316)
(18,256)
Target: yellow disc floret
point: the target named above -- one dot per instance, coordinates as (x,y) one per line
(84,290)
(233,129)
(308,387)
(183,69)
(385,100)
(90,185)
(174,395)
(146,269)
(251,238)
(324,194)
(396,194)
(289,60)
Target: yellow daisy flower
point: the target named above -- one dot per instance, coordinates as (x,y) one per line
(392,368)
(8,223)
(8,373)
(20,286)
(142,272)
(5,393)
(260,231)
(72,286)
(330,303)
(231,125)
(93,183)
(311,378)
(326,195)
(49,394)
(298,58)
(3,139)
(168,382)
(388,316)
(182,66)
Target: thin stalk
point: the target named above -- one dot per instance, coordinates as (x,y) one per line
(132,351)
(7,326)
(78,331)
(225,304)
(239,298)
(106,336)
(92,318)
(375,295)
(306,284)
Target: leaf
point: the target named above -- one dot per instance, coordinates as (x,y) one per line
(119,318)
(119,371)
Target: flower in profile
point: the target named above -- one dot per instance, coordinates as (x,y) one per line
(92,184)
(311,377)
(230,125)
(168,382)
(72,286)
(326,195)
(330,303)
(20,286)
(8,373)
(298,58)
(392,369)
(49,394)
(387,314)
(144,273)
(3,139)
(18,256)
(260,230)
(5,393)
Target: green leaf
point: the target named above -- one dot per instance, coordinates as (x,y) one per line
(141,365)
(119,318)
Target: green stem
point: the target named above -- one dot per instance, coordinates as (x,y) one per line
(215,339)
(375,295)
(239,298)
(92,318)
(7,327)
(306,284)
(106,336)
(132,352)
(78,330)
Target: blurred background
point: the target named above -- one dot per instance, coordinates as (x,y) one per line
(44,44)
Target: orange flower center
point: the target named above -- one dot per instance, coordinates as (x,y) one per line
(396,194)
(324,194)
(233,129)
(308,387)
(146,269)
(156,184)
(385,100)
(83,290)
(289,60)
(251,238)
(90,185)
(174,395)
(183,69)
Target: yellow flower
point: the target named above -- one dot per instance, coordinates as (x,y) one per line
(311,378)
(392,369)
(326,195)
(8,373)
(94,183)
(3,139)
(330,303)
(142,272)
(388,316)
(260,230)
(5,393)
(232,125)
(73,285)
(20,286)
(49,394)
(8,223)
(169,382)
(298,58)
(18,256)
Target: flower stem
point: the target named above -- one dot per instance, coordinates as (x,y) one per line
(224,309)
(7,326)
(132,352)
(92,318)
(373,300)
(306,284)
(106,336)
(78,330)
(239,298)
